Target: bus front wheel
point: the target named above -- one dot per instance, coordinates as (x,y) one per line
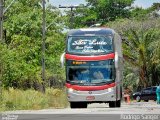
(78,104)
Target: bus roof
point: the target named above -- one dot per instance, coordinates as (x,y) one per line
(91,31)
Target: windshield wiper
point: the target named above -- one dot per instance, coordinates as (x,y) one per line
(76,82)
(103,81)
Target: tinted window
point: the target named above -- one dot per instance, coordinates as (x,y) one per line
(89,44)
(90,72)
(154,88)
(147,90)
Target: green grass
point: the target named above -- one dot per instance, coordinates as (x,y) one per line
(15,99)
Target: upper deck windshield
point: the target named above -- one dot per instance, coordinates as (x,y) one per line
(88,45)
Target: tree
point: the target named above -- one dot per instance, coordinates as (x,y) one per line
(154,64)
(155,6)
(109,10)
(140,49)
(84,17)
(101,11)
(136,52)
(22,60)
(140,13)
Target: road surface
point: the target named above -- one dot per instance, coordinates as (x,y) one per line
(134,111)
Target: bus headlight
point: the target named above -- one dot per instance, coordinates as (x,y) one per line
(110,89)
(70,90)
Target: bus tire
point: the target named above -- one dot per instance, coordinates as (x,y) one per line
(73,105)
(83,105)
(114,104)
(121,93)
(78,105)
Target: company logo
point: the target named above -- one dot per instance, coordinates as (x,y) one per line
(9,117)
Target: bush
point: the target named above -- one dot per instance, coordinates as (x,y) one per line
(15,99)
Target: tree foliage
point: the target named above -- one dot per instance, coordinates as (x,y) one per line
(20,55)
(101,11)
(140,49)
(109,10)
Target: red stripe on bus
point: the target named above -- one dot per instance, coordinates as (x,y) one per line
(90,88)
(90,58)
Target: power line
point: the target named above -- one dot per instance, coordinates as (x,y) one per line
(8,6)
(72,14)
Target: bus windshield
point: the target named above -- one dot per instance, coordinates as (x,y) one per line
(91,72)
(90,44)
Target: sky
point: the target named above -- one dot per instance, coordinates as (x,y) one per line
(66,2)
(140,3)
(145,3)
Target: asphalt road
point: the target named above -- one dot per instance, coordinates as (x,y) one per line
(133,111)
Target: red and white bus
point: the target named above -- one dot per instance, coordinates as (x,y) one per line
(94,64)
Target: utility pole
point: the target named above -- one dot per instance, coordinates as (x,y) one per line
(1,37)
(72,14)
(43,45)
(1,20)
(2,12)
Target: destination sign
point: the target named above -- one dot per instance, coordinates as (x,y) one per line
(78,62)
(90,44)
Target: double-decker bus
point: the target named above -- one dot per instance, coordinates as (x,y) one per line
(94,62)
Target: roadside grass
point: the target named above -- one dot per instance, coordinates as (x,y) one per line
(15,99)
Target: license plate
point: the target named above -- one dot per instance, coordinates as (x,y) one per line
(90,98)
